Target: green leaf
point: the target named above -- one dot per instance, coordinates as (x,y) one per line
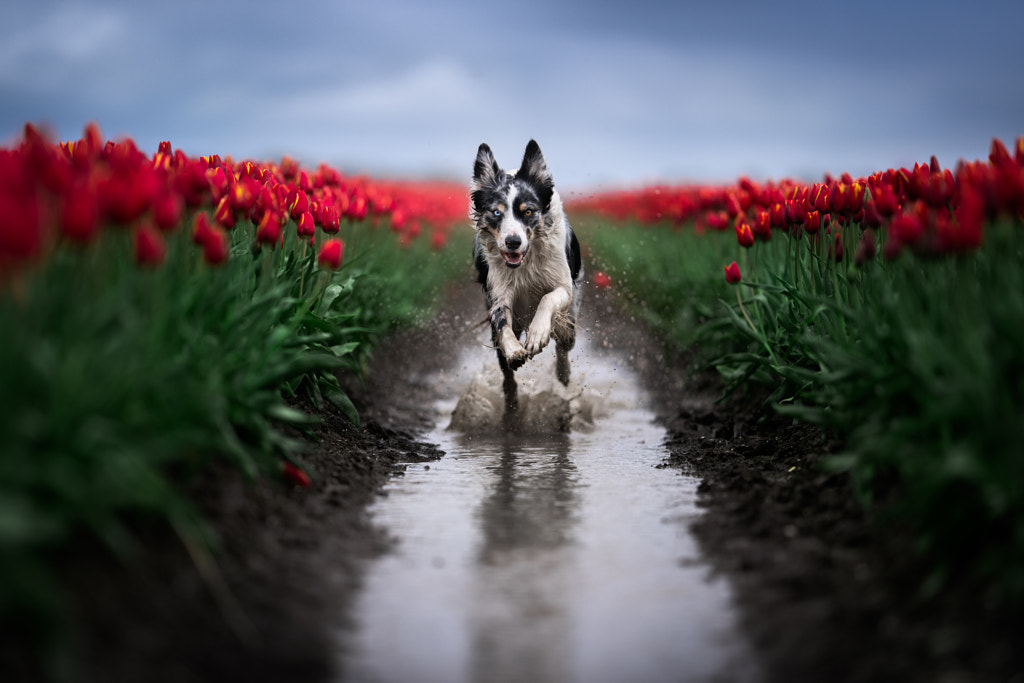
(343,403)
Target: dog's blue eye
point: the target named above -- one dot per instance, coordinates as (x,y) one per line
(497,213)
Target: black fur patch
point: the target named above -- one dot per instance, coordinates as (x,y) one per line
(534,170)
(572,253)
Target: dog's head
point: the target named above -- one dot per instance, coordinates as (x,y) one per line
(511,208)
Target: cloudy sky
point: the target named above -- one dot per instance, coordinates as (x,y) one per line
(616,93)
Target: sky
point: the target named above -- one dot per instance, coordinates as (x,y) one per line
(618,94)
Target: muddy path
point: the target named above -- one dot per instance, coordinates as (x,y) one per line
(814,589)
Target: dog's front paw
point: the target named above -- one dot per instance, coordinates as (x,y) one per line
(538,336)
(515,354)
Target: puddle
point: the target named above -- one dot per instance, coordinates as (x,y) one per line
(545,557)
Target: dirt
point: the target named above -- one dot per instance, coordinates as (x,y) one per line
(825,591)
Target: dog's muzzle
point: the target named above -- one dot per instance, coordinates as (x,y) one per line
(513,259)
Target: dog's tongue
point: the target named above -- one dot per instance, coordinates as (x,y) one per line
(513,259)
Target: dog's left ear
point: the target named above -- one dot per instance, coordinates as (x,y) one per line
(535,171)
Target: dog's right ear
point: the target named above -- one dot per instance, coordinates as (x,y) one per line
(486,169)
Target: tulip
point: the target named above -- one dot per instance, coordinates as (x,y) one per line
(167,210)
(744,235)
(295,475)
(297,203)
(80,214)
(224,214)
(820,198)
(438,240)
(331,254)
(215,247)
(211,238)
(269,229)
(306,225)
(813,222)
(763,224)
(602,280)
(732,273)
(150,248)
(331,222)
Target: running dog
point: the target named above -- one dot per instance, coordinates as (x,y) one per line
(528,261)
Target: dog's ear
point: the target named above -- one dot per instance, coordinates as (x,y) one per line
(486,169)
(535,171)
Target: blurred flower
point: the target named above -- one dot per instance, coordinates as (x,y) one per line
(224,214)
(167,209)
(732,273)
(295,475)
(813,222)
(297,203)
(306,225)
(150,248)
(744,235)
(269,229)
(211,238)
(80,213)
(602,280)
(331,254)
(331,221)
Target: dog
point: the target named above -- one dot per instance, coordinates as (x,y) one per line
(528,260)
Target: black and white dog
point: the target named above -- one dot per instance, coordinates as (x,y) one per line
(528,261)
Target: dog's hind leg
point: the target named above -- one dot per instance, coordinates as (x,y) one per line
(565,340)
(510,419)
(562,364)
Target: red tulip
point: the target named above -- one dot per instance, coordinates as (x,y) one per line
(813,222)
(732,273)
(211,238)
(167,210)
(295,475)
(215,247)
(150,248)
(80,213)
(820,198)
(744,235)
(331,222)
(763,224)
(602,280)
(224,214)
(438,240)
(306,225)
(331,254)
(297,203)
(269,229)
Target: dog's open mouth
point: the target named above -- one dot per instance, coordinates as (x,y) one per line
(513,259)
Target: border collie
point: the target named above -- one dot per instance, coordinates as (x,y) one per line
(528,261)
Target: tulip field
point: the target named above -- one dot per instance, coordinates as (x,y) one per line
(161,312)
(888,309)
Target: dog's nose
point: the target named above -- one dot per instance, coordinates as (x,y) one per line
(513,241)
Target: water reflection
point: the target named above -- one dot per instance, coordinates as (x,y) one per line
(521,625)
(531,503)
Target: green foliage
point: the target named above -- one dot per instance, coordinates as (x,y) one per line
(915,361)
(121,382)
(672,280)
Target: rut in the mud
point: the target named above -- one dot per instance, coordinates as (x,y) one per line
(545,555)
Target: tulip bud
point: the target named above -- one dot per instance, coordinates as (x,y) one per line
(744,235)
(732,273)
(150,248)
(331,254)
(306,225)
